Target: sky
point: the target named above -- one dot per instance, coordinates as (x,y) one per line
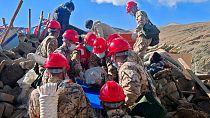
(112,12)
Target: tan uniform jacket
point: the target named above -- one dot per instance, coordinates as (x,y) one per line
(141,44)
(132,78)
(102,29)
(47,46)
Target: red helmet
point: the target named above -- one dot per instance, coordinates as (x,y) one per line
(90,37)
(56,60)
(111,37)
(111,92)
(118,45)
(71,35)
(99,45)
(54,25)
(130,5)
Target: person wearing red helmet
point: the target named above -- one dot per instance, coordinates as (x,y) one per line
(50,43)
(66,97)
(142,43)
(111,37)
(113,99)
(88,58)
(131,74)
(100,50)
(70,39)
(54,28)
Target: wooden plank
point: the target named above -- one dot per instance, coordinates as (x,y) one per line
(40,22)
(187,58)
(29,21)
(200,83)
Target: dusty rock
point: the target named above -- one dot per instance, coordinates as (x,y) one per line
(10,54)
(25,47)
(1,84)
(2,64)
(20,113)
(11,74)
(7,89)
(6,97)
(8,110)
(1,109)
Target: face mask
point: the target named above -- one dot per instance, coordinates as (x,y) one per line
(89,48)
(101,55)
(72,47)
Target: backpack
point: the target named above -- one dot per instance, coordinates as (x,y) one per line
(150,31)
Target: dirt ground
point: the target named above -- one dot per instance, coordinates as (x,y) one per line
(191,38)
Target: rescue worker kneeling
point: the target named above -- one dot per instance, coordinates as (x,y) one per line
(131,74)
(133,80)
(58,97)
(112,100)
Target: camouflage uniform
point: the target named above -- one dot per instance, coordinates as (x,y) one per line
(111,70)
(73,58)
(141,44)
(118,113)
(102,29)
(93,60)
(47,46)
(72,102)
(132,78)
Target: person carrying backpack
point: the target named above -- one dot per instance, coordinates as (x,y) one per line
(147,33)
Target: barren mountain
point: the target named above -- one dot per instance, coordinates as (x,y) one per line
(191,38)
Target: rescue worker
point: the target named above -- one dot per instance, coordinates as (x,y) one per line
(112,100)
(101,29)
(72,101)
(131,73)
(50,43)
(70,38)
(100,50)
(88,59)
(112,71)
(62,14)
(142,43)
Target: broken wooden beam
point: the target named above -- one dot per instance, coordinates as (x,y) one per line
(197,80)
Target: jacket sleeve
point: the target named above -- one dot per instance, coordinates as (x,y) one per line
(51,47)
(130,83)
(34,104)
(141,19)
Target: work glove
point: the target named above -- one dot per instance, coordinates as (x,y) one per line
(48,100)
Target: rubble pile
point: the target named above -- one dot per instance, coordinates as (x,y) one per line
(13,66)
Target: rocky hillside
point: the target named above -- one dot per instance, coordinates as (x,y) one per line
(191,38)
